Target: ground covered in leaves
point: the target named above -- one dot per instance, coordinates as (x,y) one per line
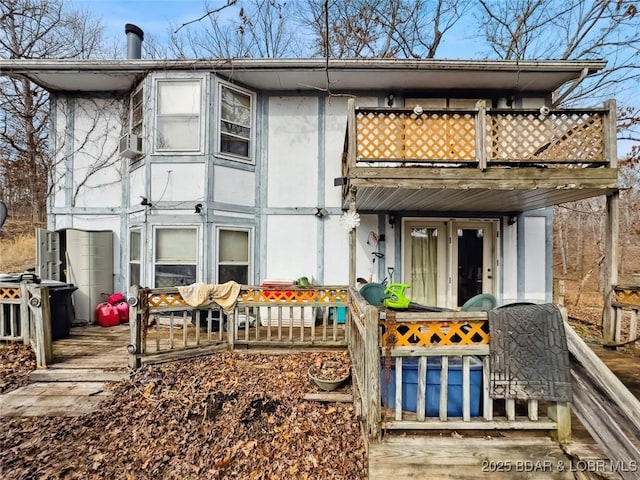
(16,362)
(235,416)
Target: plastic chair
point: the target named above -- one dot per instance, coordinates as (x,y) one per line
(480,303)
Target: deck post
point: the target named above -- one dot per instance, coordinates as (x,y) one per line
(609,318)
(39,304)
(351,134)
(352,241)
(560,412)
(24,313)
(609,328)
(372,369)
(481,125)
(135,329)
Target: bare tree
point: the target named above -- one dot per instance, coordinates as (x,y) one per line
(259,29)
(35,29)
(579,29)
(379,28)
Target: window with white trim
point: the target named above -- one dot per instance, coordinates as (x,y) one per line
(233,255)
(178,115)
(236,118)
(175,259)
(135,242)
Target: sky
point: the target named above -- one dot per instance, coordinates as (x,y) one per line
(155,17)
(152,16)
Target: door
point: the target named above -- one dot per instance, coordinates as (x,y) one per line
(448,262)
(474,263)
(48,254)
(425,262)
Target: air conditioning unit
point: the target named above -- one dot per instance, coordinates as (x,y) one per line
(130,145)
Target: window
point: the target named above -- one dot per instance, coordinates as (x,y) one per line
(233,256)
(235,122)
(134,257)
(178,115)
(176,253)
(137,110)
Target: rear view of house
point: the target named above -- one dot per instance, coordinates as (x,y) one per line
(216,170)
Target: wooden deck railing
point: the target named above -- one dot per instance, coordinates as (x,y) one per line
(25,316)
(479,137)
(626,303)
(430,371)
(164,326)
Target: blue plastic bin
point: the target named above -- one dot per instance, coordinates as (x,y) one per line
(432,404)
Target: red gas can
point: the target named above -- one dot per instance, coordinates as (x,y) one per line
(123,311)
(107,315)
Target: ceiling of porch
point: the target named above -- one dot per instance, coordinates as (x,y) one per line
(381,198)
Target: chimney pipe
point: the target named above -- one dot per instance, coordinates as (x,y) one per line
(135,35)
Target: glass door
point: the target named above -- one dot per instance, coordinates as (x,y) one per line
(425,262)
(448,262)
(473,260)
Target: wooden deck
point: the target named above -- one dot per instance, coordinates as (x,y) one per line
(76,383)
(93,347)
(443,457)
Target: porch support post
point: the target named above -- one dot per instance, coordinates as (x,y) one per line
(609,327)
(352,241)
(135,329)
(372,372)
(481,119)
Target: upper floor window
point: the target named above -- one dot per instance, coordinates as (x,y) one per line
(178,115)
(235,122)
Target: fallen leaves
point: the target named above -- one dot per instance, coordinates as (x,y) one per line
(16,362)
(226,416)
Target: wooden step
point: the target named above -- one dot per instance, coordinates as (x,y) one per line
(53,399)
(436,457)
(77,375)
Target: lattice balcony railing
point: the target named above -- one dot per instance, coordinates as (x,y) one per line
(405,136)
(557,137)
(479,137)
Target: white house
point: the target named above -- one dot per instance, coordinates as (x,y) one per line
(211,170)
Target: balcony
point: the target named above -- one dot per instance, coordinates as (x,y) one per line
(492,160)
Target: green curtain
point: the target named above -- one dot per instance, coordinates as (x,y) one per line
(424,266)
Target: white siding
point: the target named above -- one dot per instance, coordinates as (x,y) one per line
(96,164)
(137,187)
(293,152)
(336,252)
(233,186)
(509,263)
(534,259)
(335,129)
(291,246)
(59,174)
(365,268)
(175,182)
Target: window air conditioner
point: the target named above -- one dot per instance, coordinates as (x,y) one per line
(130,145)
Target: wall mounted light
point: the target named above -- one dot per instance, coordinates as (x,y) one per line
(145,202)
(417,109)
(198,208)
(390,100)
(321,212)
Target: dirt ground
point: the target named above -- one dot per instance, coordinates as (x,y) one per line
(226,416)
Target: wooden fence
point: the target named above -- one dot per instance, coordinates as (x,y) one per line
(25,316)
(164,326)
(426,371)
